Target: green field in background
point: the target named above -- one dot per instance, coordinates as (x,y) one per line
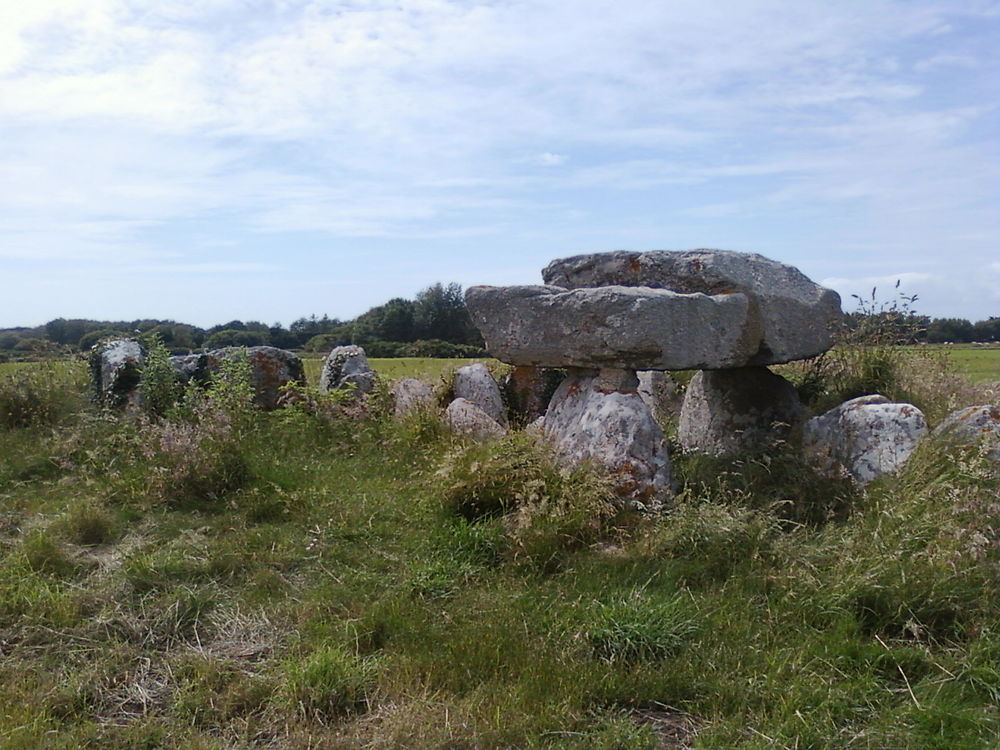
(974,362)
(978,363)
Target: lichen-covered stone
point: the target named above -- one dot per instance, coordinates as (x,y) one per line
(347,366)
(628,328)
(475,383)
(661,393)
(726,412)
(116,366)
(796,317)
(973,425)
(271,369)
(410,395)
(616,431)
(467,419)
(864,438)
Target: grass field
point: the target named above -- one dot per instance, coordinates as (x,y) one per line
(976,363)
(334,579)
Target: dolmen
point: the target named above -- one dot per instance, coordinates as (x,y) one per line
(607,316)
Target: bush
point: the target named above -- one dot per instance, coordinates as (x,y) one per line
(37,395)
(159,384)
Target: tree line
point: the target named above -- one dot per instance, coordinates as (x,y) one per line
(435,323)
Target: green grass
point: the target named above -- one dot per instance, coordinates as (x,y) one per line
(366,584)
(976,363)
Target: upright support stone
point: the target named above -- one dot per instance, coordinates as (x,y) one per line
(347,366)
(467,419)
(116,366)
(864,438)
(590,419)
(973,425)
(271,369)
(475,383)
(661,394)
(410,395)
(726,412)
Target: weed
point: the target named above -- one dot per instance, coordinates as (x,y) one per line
(40,395)
(88,524)
(640,627)
(329,683)
(159,385)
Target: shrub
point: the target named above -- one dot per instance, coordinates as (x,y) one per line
(39,394)
(159,383)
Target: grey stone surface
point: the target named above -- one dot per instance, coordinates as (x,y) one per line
(192,367)
(864,438)
(616,431)
(410,395)
(271,369)
(796,317)
(631,328)
(345,366)
(475,383)
(726,412)
(467,419)
(973,425)
(661,393)
(116,365)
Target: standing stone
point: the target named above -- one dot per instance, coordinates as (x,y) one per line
(271,369)
(796,317)
(475,383)
(864,438)
(971,426)
(726,412)
(410,395)
(587,420)
(346,366)
(116,366)
(528,390)
(468,420)
(661,394)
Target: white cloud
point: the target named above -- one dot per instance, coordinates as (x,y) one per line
(549,159)
(799,125)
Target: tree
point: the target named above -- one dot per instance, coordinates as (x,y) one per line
(440,313)
(393,321)
(235,337)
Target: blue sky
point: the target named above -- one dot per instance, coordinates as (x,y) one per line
(205,160)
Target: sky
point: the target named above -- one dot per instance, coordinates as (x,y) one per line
(205,160)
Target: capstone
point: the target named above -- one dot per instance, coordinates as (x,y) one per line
(796,317)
